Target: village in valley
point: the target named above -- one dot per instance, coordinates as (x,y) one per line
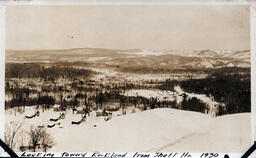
(57,97)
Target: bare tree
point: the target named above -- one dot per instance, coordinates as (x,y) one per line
(22,147)
(46,140)
(11,134)
(35,136)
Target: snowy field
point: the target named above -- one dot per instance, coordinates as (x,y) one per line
(154,130)
(154,93)
(176,95)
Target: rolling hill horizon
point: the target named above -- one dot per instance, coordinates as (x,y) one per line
(135,57)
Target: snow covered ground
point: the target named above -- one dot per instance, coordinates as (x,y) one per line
(162,129)
(213,105)
(147,93)
(176,95)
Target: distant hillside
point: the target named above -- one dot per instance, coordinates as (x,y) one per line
(207,53)
(164,59)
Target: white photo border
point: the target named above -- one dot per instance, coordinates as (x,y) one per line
(252,4)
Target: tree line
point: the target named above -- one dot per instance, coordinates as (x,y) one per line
(33,70)
(231,86)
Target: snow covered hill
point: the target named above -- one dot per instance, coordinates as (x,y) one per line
(135,57)
(162,129)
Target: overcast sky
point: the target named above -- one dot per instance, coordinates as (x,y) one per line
(128,27)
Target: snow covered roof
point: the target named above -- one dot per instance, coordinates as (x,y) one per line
(56,106)
(79,108)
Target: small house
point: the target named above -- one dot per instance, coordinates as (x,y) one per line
(114,107)
(56,107)
(80,110)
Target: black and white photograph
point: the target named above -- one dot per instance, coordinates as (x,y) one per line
(126,78)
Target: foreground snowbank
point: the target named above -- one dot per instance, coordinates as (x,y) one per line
(160,130)
(154,130)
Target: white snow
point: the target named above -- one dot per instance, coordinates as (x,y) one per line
(212,105)
(161,95)
(162,129)
(175,96)
(93,59)
(230,65)
(56,106)
(145,53)
(80,108)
